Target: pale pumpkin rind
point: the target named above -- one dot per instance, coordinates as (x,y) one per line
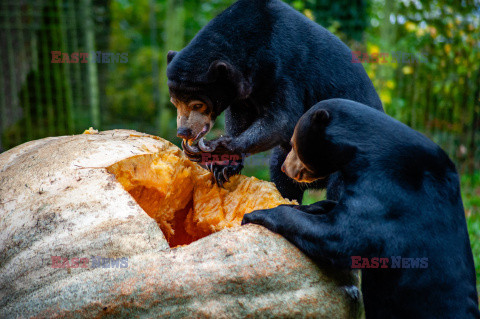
(58,198)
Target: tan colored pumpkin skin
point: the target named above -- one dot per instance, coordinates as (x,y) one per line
(58,199)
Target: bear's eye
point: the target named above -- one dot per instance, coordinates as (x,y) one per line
(197,105)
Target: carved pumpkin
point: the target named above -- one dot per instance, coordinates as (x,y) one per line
(66,202)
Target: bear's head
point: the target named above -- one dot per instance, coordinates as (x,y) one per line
(317,151)
(201,95)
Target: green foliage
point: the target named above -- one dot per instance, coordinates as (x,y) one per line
(347,18)
(471,200)
(473,223)
(439,95)
(129,86)
(470,185)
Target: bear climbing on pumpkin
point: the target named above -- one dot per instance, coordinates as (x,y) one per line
(401,201)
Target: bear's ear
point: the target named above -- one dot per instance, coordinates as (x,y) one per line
(321,116)
(224,71)
(220,70)
(170,56)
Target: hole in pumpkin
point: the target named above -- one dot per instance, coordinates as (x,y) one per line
(150,199)
(182,197)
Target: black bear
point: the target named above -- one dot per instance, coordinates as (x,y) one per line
(265,65)
(400,217)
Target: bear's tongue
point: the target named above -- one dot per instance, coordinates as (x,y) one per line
(203,132)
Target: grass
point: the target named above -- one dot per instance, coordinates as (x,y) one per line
(470,185)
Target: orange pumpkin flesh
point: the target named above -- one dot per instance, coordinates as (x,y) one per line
(183,198)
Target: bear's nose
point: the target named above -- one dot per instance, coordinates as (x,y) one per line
(184,133)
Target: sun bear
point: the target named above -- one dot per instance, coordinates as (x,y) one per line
(400,217)
(264,64)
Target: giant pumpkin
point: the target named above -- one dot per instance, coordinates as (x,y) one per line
(66,202)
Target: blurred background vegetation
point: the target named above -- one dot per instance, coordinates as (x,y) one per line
(430,79)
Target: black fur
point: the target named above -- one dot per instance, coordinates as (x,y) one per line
(266,64)
(401,198)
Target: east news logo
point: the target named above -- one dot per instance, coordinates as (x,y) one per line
(84,57)
(359,262)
